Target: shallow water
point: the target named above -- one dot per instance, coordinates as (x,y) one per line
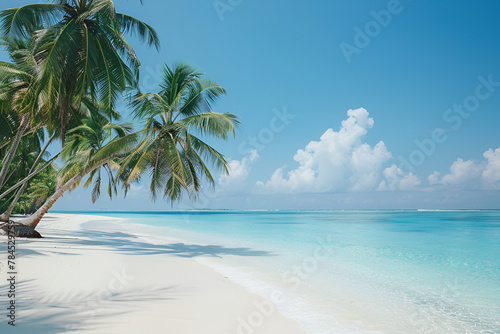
(357,271)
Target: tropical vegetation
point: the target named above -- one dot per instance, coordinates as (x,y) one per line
(70,64)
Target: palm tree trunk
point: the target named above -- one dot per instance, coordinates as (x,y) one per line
(12,151)
(4,217)
(34,219)
(20,183)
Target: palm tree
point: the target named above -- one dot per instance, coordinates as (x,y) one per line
(28,156)
(40,188)
(170,149)
(16,78)
(80,49)
(91,148)
(62,52)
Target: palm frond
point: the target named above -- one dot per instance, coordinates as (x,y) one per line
(213,124)
(96,191)
(145,32)
(19,23)
(103,9)
(201,95)
(112,75)
(209,153)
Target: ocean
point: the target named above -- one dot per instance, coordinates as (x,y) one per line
(353,271)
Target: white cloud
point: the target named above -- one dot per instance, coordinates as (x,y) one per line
(434,178)
(366,165)
(339,161)
(395,180)
(238,170)
(491,173)
(461,172)
(472,174)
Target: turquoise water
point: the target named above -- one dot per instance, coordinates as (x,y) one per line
(357,271)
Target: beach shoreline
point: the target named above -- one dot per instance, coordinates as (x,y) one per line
(91,274)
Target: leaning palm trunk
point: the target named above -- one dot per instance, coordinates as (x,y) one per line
(83,160)
(4,217)
(34,219)
(20,183)
(12,151)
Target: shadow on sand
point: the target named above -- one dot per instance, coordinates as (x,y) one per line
(77,312)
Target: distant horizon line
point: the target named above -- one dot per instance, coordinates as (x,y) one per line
(258,210)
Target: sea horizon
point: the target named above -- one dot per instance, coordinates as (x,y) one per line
(260,210)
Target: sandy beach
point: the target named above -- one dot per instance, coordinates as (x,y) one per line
(92,274)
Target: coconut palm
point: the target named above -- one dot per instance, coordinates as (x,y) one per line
(91,149)
(40,188)
(80,49)
(28,156)
(15,80)
(171,150)
(62,52)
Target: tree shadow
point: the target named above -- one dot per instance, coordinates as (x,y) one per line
(126,243)
(77,311)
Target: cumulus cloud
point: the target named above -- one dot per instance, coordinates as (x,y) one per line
(491,173)
(434,178)
(395,180)
(339,161)
(462,171)
(471,174)
(238,170)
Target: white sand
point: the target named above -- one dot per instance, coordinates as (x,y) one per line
(94,275)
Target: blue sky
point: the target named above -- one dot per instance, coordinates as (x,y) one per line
(290,79)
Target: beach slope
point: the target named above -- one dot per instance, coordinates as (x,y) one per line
(94,274)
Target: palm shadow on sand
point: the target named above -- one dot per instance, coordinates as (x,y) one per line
(56,314)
